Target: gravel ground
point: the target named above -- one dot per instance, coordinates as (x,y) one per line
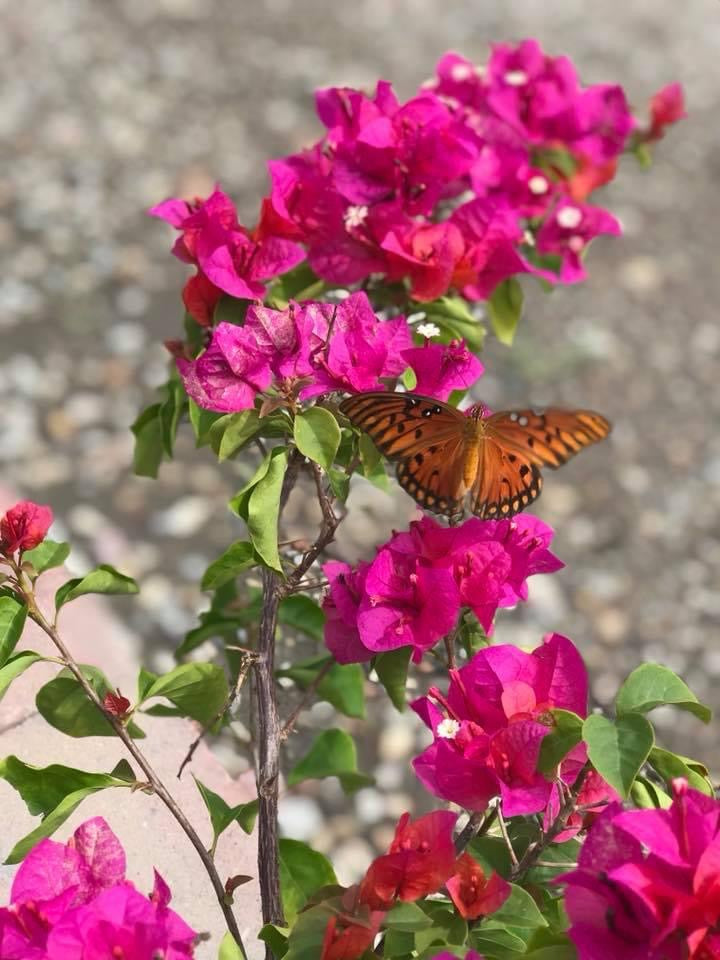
(108,108)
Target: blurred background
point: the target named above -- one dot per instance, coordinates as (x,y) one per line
(108,108)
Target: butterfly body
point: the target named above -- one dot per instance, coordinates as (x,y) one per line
(444,454)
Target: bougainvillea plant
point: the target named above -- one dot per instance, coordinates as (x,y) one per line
(378,255)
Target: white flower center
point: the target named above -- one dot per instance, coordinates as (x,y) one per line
(461,71)
(538,185)
(569,217)
(428,330)
(576,243)
(516,78)
(528,238)
(355,216)
(447,729)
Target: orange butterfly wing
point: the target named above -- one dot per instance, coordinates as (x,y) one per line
(517,443)
(425,435)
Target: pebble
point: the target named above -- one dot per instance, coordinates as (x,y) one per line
(183,518)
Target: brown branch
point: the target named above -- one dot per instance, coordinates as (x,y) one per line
(309,693)
(267,767)
(153,780)
(327,532)
(246,660)
(470,831)
(267,772)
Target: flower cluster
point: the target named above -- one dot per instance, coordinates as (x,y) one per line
(229,257)
(316,348)
(411,594)
(489,727)
(453,188)
(420,861)
(72,900)
(23,527)
(647,884)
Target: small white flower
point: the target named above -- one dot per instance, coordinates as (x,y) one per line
(569,217)
(355,216)
(461,71)
(576,243)
(538,185)
(447,729)
(428,330)
(416,317)
(516,78)
(528,238)
(430,84)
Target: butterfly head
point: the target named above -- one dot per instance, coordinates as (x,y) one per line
(478,412)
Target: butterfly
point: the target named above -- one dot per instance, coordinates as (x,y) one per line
(443,454)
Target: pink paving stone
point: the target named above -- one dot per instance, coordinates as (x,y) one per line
(146,829)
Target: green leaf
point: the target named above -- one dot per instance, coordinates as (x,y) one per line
(556,160)
(669,765)
(456,320)
(222,814)
(649,796)
(302,613)
(519,913)
(618,750)
(392,670)
(408,917)
(408,378)
(566,734)
(562,854)
(300,283)
(199,690)
(148,433)
(15,666)
(492,854)
(230,949)
(264,510)
(202,421)
(13,614)
(651,685)
(171,409)
(317,435)
(333,754)
(103,579)
(231,309)
(46,555)
(276,938)
(302,872)
(505,307)
(65,705)
(342,686)
(339,483)
(496,941)
(54,792)
(238,557)
(238,429)
(308,932)
(564,951)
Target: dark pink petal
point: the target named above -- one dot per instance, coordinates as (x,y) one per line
(24,526)
(101,851)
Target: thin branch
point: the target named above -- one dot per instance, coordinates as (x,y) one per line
(327,532)
(534,852)
(267,771)
(450,648)
(267,766)
(246,660)
(153,780)
(309,693)
(469,831)
(506,836)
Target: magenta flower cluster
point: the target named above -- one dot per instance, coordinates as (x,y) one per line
(489,727)
(448,188)
(647,885)
(72,900)
(412,593)
(316,348)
